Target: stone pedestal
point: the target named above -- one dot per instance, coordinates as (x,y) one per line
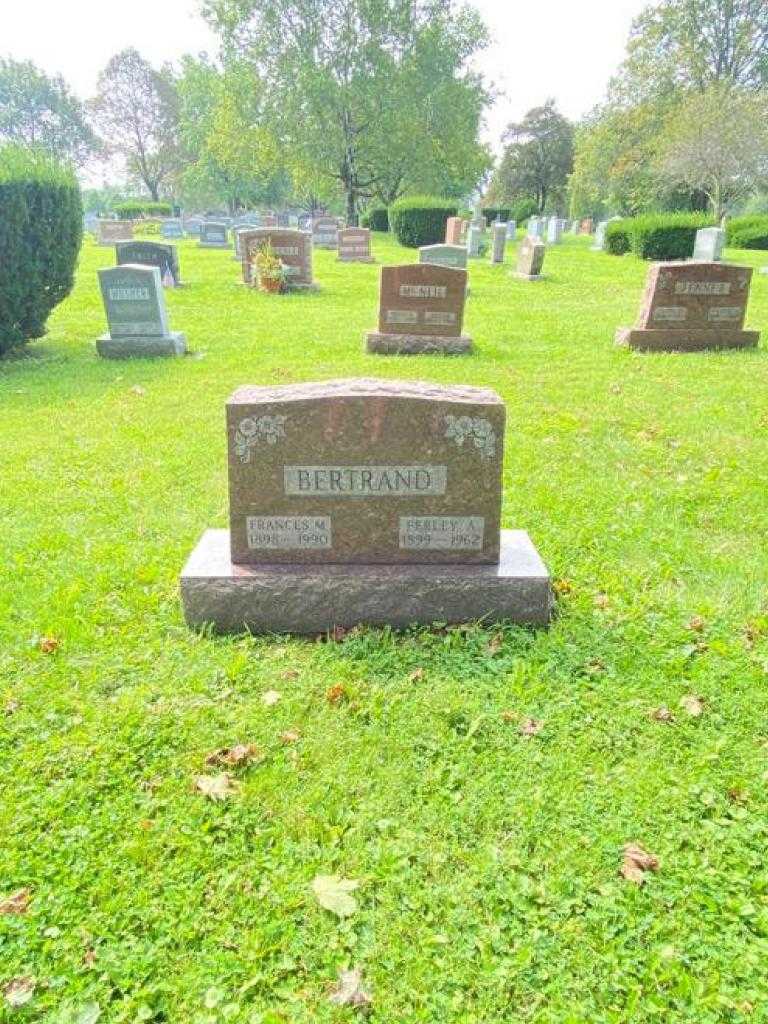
(313,599)
(691,340)
(130,348)
(377,343)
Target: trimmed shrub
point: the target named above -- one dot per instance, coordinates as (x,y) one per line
(41,228)
(657,236)
(618,239)
(748,232)
(420,220)
(376,218)
(523,209)
(133,209)
(492,213)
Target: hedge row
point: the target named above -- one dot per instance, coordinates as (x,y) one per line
(748,232)
(420,220)
(376,218)
(657,236)
(133,209)
(492,213)
(41,228)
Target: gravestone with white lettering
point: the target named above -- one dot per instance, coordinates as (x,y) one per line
(292,247)
(499,242)
(172,227)
(110,231)
(709,244)
(530,259)
(325,232)
(136,315)
(444,255)
(364,501)
(691,307)
(355,245)
(214,235)
(421,310)
(152,254)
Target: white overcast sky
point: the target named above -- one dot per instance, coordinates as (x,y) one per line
(562,48)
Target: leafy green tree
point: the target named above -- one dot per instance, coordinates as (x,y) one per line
(39,111)
(136,109)
(355,86)
(537,159)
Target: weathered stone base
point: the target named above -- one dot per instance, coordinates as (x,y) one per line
(130,348)
(315,598)
(672,340)
(415,344)
(529,277)
(214,245)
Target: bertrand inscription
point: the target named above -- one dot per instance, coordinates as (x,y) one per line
(364,481)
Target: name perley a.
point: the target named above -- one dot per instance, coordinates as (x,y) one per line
(364,481)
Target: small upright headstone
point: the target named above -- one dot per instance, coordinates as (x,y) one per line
(136,315)
(355,245)
(575,227)
(293,248)
(587,226)
(454,256)
(511,230)
(535,227)
(599,245)
(474,241)
(421,310)
(554,229)
(283,219)
(192,226)
(691,307)
(499,242)
(110,231)
(214,235)
(709,244)
(171,227)
(364,501)
(530,259)
(90,222)
(325,232)
(453,231)
(152,254)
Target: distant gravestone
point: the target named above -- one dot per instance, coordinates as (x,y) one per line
(325,232)
(214,235)
(534,228)
(454,256)
(304,222)
(499,243)
(575,227)
(690,307)
(192,226)
(421,310)
(283,219)
(110,231)
(530,259)
(587,226)
(269,220)
(136,315)
(152,254)
(453,231)
(363,501)
(90,222)
(292,247)
(709,244)
(475,246)
(171,227)
(554,231)
(355,245)
(511,230)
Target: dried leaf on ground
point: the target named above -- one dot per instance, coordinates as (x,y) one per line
(601,600)
(349,990)
(496,643)
(48,644)
(17,903)
(215,787)
(662,714)
(335,694)
(270,698)
(636,863)
(18,991)
(333,893)
(290,736)
(416,675)
(696,624)
(562,586)
(241,753)
(530,727)
(693,704)
(290,673)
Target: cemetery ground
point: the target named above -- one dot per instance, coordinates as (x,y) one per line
(473,788)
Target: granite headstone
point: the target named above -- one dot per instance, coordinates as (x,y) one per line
(421,310)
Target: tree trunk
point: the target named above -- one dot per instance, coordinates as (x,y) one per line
(351,205)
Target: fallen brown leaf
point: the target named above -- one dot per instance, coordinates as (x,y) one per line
(693,704)
(19,991)
(416,675)
(48,644)
(335,694)
(601,600)
(509,716)
(290,673)
(241,753)
(696,624)
(215,787)
(349,990)
(495,643)
(89,957)
(738,795)
(290,736)
(530,727)
(17,903)
(662,714)
(636,863)
(594,667)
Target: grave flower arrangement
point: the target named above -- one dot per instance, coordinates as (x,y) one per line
(270,271)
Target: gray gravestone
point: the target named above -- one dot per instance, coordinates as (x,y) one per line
(511,230)
(499,243)
(444,255)
(363,501)
(475,245)
(152,254)
(530,259)
(192,226)
(172,228)
(709,244)
(136,315)
(554,230)
(214,235)
(535,228)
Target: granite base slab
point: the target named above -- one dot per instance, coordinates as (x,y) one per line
(671,340)
(131,348)
(214,245)
(377,343)
(310,599)
(530,277)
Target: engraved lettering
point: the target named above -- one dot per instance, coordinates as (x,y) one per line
(288,533)
(442,533)
(364,481)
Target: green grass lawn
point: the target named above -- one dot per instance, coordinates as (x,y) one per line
(487,860)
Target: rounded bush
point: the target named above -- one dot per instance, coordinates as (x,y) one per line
(376,218)
(748,232)
(492,213)
(618,239)
(657,236)
(420,220)
(133,209)
(41,229)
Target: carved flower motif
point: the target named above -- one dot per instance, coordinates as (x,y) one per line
(254,431)
(476,430)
